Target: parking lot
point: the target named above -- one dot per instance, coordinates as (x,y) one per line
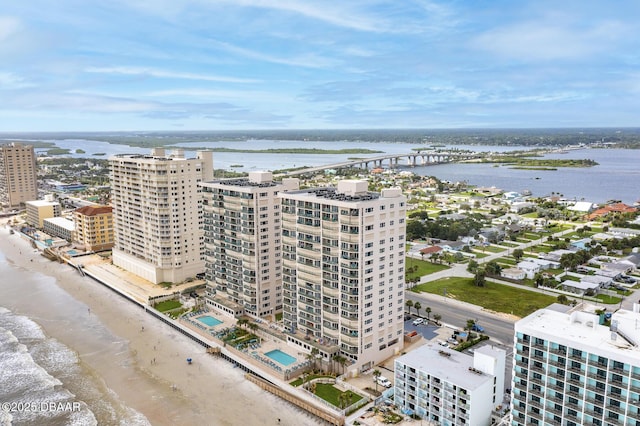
(427,331)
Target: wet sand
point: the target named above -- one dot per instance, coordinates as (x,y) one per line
(146,369)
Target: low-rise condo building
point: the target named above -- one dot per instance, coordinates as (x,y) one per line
(447,387)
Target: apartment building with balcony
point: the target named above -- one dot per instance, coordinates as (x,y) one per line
(447,387)
(94,227)
(343,251)
(571,369)
(243,266)
(18,175)
(157,213)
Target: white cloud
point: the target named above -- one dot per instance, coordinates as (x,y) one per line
(167,74)
(8,27)
(540,40)
(10,81)
(307,60)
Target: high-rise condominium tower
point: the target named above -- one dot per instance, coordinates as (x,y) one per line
(343,252)
(242,240)
(571,368)
(18,175)
(157,214)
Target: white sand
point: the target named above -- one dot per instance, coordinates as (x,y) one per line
(207,392)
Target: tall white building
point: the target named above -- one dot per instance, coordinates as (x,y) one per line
(571,370)
(157,214)
(343,253)
(242,241)
(448,387)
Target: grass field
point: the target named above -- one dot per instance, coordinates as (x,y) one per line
(424,267)
(167,305)
(492,296)
(331,394)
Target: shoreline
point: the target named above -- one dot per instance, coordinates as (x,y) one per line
(144,373)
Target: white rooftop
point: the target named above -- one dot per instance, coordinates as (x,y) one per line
(446,364)
(581,330)
(62,222)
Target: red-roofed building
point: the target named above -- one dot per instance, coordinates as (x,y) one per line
(611,208)
(429,251)
(94,227)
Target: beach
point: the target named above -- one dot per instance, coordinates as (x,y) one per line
(134,364)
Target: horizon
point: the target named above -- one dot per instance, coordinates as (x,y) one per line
(308,65)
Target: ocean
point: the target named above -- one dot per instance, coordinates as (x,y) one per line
(42,381)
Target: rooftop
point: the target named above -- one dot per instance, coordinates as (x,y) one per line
(447,364)
(580,329)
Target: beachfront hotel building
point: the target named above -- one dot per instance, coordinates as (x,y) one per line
(571,368)
(447,387)
(343,252)
(18,175)
(157,213)
(242,223)
(39,210)
(94,227)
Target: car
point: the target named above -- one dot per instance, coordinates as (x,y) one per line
(407,317)
(443,343)
(478,328)
(418,321)
(383,381)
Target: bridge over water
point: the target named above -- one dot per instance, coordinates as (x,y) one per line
(418,158)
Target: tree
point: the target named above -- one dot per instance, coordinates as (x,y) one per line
(376,374)
(242,322)
(418,306)
(472,266)
(563,299)
(428,311)
(409,304)
(479,278)
(342,361)
(437,318)
(517,254)
(470,324)
(493,268)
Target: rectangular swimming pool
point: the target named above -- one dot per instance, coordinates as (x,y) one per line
(208,320)
(281,357)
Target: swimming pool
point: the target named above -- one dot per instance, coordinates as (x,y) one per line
(210,321)
(281,357)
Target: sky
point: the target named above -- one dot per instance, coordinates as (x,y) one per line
(126,65)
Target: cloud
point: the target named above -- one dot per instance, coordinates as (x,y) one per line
(9,26)
(10,81)
(550,41)
(307,60)
(166,74)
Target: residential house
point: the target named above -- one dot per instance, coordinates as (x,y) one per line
(513,273)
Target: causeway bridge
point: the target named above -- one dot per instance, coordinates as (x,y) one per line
(418,158)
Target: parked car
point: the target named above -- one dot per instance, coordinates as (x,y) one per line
(383,381)
(407,317)
(418,321)
(478,328)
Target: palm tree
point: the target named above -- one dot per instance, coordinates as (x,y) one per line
(242,322)
(342,361)
(418,306)
(470,324)
(428,311)
(437,317)
(253,326)
(376,374)
(314,353)
(409,304)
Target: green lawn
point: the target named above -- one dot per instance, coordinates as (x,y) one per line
(331,394)
(508,244)
(506,260)
(492,249)
(479,254)
(492,296)
(167,305)
(609,300)
(424,267)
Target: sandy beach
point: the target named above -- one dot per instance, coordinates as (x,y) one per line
(139,359)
